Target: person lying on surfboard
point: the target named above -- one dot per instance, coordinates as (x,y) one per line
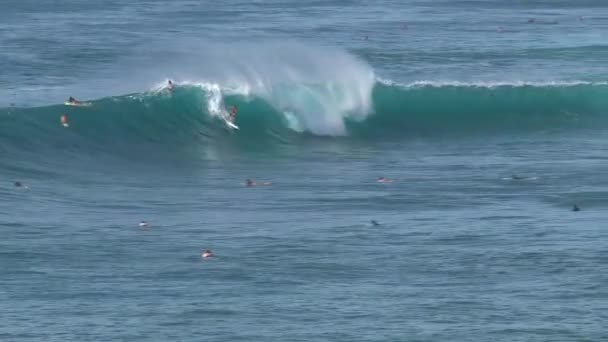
(251,183)
(73,100)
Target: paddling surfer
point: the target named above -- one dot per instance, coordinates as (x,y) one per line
(73,100)
(250,183)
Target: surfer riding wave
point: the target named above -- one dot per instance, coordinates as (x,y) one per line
(232,114)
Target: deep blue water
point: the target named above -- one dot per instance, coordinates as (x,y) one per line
(490,118)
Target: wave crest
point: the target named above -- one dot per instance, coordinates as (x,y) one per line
(189,114)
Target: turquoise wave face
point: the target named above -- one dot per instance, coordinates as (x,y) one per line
(479,109)
(191,115)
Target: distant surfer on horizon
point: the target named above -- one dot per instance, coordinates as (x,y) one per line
(170,85)
(250,183)
(20,185)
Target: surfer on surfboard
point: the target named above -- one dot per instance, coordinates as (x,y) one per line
(73,101)
(250,183)
(229,118)
(232,114)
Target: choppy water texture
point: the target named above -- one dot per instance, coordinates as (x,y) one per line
(490,118)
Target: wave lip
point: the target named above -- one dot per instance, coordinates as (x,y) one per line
(314,89)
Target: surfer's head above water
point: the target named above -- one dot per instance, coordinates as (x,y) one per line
(18,184)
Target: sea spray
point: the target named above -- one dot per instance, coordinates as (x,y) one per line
(316,88)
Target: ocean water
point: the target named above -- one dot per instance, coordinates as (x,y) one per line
(490,118)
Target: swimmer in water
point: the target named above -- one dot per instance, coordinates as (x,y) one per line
(207,253)
(144,224)
(64,120)
(375,223)
(531,20)
(576,208)
(516,177)
(384,180)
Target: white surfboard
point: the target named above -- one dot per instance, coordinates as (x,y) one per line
(231,125)
(78,104)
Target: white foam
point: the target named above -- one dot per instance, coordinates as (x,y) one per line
(487,84)
(316,88)
(215,99)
